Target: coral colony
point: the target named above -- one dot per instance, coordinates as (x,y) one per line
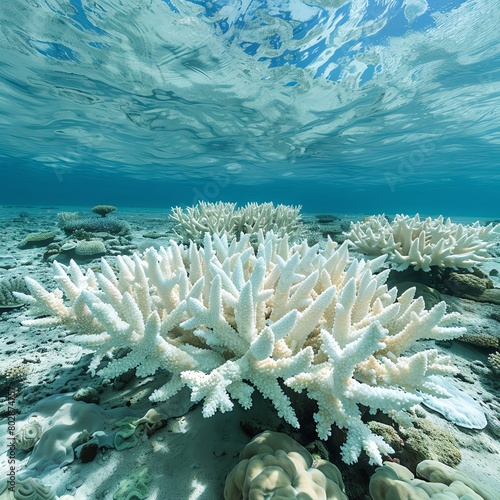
(235,315)
(411,242)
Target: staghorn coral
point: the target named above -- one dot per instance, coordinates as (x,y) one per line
(423,243)
(227,319)
(224,219)
(273,465)
(64,218)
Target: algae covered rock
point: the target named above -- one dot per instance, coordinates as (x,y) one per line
(474,286)
(463,284)
(423,441)
(326,218)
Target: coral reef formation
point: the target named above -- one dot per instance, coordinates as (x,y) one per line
(231,317)
(224,219)
(72,221)
(423,243)
(273,465)
(97,225)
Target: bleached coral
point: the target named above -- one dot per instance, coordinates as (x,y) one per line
(423,243)
(224,219)
(226,319)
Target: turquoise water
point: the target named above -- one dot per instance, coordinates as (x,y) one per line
(362,105)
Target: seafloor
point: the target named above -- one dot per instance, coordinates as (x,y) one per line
(189,457)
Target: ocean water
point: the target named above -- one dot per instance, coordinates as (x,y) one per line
(344,106)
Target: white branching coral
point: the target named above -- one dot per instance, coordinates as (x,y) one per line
(224,219)
(423,243)
(227,319)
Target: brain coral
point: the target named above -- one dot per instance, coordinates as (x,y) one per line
(393,481)
(273,465)
(29,435)
(26,489)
